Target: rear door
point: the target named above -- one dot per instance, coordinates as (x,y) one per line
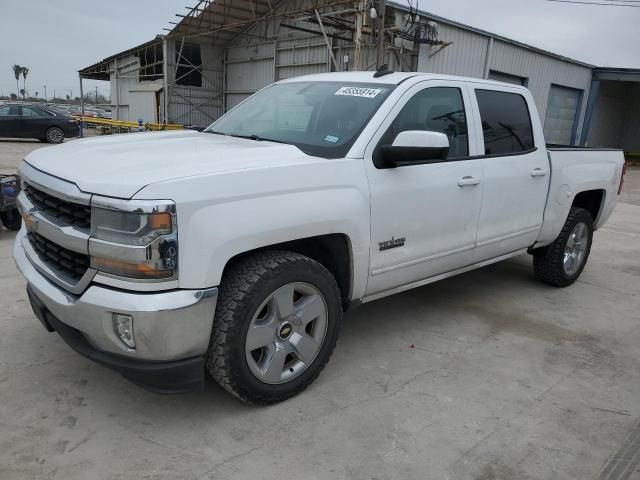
(515,167)
(35,121)
(424,216)
(9,121)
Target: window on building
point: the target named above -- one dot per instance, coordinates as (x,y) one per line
(506,122)
(436,109)
(508,78)
(189,63)
(151,61)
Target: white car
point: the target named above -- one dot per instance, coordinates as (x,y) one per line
(236,250)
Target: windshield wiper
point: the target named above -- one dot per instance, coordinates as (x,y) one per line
(257,138)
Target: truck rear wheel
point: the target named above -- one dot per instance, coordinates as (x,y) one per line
(561,263)
(276,325)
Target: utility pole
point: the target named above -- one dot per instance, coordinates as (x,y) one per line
(357,46)
(381,12)
(45,93)
(96,95)
(54,93)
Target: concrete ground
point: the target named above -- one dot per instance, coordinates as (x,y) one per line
(490,375)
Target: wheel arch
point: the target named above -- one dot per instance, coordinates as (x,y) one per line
(333,251)
(592,201)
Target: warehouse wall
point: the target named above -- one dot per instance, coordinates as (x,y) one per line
(631,132)
(197,105)
(465,57)
(128,104)
(468,56)
(607,122)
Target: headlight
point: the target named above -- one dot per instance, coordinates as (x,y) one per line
(134,239)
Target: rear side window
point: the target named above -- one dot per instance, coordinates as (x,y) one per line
(506,123)
(34,112)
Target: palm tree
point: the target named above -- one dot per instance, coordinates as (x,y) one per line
(25,72)
(17,71)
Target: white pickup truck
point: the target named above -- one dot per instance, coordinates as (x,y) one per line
(236,250)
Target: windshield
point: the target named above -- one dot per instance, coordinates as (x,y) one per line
(322,119)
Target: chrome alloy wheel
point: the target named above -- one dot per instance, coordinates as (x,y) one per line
(55,135)
(286,333)
(576,249)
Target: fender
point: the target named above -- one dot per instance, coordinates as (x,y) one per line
(223,215)
(573,172)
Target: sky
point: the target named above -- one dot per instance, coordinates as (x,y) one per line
(56,39)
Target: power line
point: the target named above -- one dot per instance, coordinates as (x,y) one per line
(596,3)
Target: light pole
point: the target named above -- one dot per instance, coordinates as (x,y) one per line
(45,93)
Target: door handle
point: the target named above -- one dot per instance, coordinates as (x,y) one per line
(538,172)
(468,182)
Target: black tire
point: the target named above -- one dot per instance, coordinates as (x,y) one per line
(244,288)
(548,262)
(11,219)
(54,135)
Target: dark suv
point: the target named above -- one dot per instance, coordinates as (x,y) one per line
(33,121)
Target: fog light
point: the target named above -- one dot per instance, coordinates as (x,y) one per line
(123,328)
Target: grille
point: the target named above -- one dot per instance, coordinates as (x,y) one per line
(69,213)
(70,263)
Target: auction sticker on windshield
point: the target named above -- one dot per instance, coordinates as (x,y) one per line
(359,92)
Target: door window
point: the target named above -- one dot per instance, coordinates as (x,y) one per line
(436,109)
(9,111)
(506,123)
(33,112)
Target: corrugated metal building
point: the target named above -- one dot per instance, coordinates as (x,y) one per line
(222,52)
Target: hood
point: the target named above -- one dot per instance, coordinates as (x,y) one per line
(121,165)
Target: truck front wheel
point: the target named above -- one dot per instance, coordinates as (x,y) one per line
(276,324)
(561,263)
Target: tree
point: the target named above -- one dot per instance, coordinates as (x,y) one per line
(22,92)
(25,72)
(17,71)
(68,97)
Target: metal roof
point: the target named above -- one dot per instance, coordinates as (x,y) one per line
(100,70)
(224,20)
(617,74)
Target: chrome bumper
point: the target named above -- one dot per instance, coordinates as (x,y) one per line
(171,325)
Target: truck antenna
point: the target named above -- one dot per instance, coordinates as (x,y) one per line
(382,71)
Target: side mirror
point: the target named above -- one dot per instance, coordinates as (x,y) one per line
(415,147)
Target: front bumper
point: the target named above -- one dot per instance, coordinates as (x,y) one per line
(172,329)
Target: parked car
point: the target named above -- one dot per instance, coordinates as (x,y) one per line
(35,121)
(237,249)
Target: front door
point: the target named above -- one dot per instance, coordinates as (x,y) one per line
(9,121)
(424,217)
(516,171)
(34,122)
